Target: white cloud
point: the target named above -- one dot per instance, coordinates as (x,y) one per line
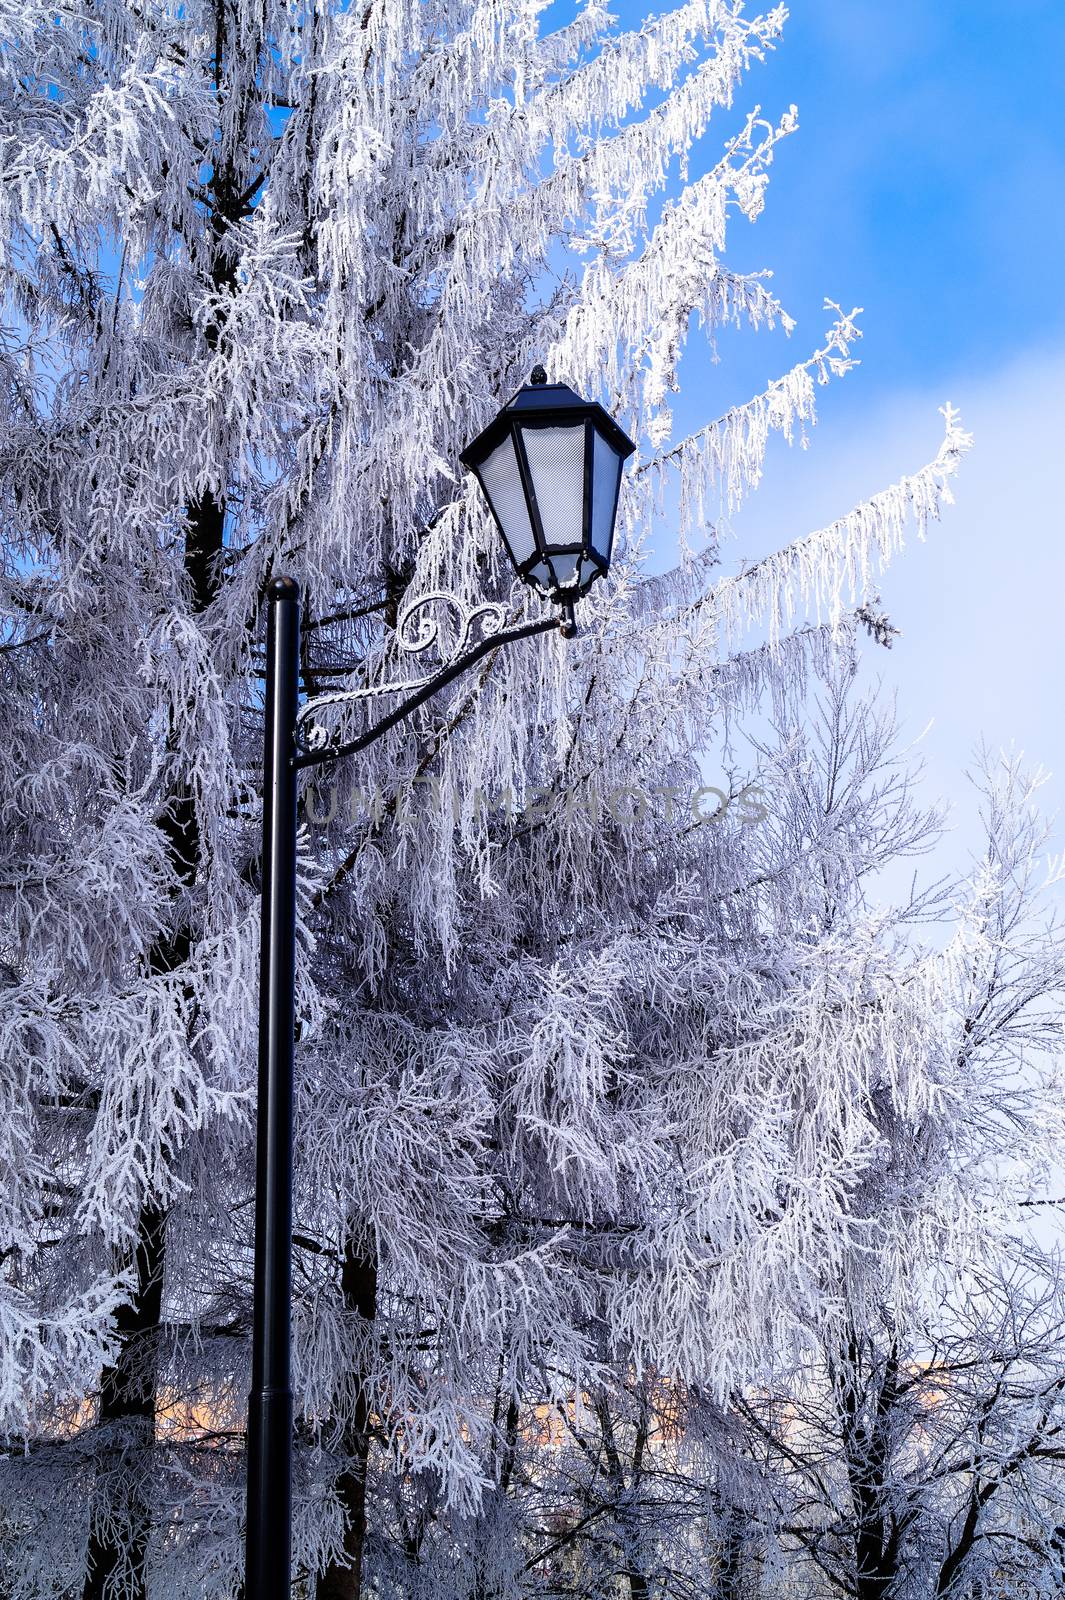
(980,603)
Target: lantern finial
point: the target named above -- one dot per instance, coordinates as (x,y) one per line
(538,375)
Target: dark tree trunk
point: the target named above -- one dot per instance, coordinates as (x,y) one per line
(342,1580)
(627,1517)
(730,1561)
(867,1450)
(637,1584)
(120,1513)
(962,1548)
(510,1446)
(127,1408)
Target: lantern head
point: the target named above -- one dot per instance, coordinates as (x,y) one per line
(550,467)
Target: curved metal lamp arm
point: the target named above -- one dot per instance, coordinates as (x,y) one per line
(314,748)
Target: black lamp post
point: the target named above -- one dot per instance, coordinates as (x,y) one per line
(550,466)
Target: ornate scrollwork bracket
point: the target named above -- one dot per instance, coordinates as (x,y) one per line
(417,631)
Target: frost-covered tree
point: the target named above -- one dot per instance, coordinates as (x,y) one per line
(915,1450)
(265,271)
(844,1093)
(923,1462)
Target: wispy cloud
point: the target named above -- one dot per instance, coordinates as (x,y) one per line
(981,602)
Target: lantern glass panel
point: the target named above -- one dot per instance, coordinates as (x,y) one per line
(606,475)
(565,568)
(501,477)
(556,466)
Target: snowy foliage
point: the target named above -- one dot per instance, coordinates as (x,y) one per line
(588,1093)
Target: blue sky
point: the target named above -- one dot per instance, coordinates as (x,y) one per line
(927,180)
(927,185)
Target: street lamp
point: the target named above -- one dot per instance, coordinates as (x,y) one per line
(550,466)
